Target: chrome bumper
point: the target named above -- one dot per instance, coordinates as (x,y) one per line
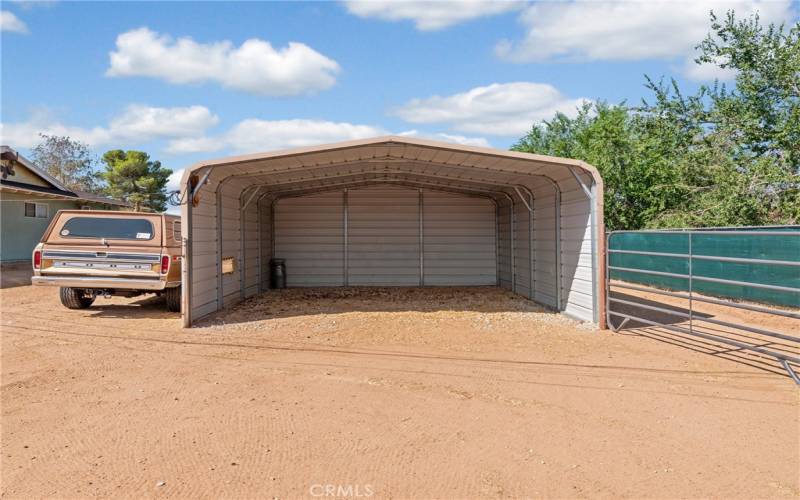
(98,282)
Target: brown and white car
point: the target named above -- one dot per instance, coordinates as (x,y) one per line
(101,253)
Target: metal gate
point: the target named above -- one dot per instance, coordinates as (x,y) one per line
(751,269)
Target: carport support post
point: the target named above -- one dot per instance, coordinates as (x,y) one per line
(513,240)
(244,203)
(242,246)
(594,232)
(496,242)
(529,206)
(219,245)
(421,243)
(260,252)
(559,272)
(531,274)
(345,278)
(186,263)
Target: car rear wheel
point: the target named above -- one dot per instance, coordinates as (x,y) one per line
(173,298)
(73,298)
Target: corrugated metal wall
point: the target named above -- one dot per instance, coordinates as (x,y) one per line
(265,234)
(383,236)
(458,239)
(576,254)
(504,208)
(523,257)
(204,258)
(309,234)
(230,244)
(252,255)
(544,245)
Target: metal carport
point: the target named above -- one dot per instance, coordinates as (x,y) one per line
(394,211)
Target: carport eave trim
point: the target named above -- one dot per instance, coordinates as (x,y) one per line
(491,152)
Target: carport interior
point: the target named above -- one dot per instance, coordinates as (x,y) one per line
(394,211)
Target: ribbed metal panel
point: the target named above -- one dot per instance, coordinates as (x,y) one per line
(204,257)
(544,245)
(251,255)
(231,243)
(576,254)
(265,223)
(522,254)
(504,242)
(309,234)
(459,240)
(383,236)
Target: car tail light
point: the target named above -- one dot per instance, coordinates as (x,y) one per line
(37,259)
(164,264)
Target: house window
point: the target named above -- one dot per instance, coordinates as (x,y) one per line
(36,210)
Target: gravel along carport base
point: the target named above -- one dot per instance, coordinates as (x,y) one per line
(404,393)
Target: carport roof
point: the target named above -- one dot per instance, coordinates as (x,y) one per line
(390,158)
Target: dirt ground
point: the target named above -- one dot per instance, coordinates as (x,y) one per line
(383,393)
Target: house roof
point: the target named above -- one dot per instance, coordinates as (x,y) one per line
(57,190)
(7,151)
(83,195)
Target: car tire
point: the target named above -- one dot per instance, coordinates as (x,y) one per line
(173,298)
(73,298)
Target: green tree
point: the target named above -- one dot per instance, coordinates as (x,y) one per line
(718,157)
(69,161)
(639,177)
(133,177)
(742,158)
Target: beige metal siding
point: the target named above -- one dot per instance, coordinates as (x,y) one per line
(309,234)
(522,247)
(251,255)
(504,243)
(544,245)
(265,224)
(383,236)
(576,254)
(231,246)
(203,260)
(459,240)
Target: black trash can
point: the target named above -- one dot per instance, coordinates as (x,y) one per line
(277,273)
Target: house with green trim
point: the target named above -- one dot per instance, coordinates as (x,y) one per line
(29,199)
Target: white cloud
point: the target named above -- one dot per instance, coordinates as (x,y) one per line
(707,72)
(504,109)
(137,124)
(254,67)
(430,15)
(454,138)
(10,22)
(624,30)
(253,135)
(174,181)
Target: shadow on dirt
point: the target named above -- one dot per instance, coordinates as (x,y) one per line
(149,306)
(696,343)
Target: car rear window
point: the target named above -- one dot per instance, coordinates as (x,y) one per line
(108,227)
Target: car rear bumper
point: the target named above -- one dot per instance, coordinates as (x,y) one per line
(106,283)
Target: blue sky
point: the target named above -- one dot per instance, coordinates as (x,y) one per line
(187,81)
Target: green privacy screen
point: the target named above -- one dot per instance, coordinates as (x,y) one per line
(769,243)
